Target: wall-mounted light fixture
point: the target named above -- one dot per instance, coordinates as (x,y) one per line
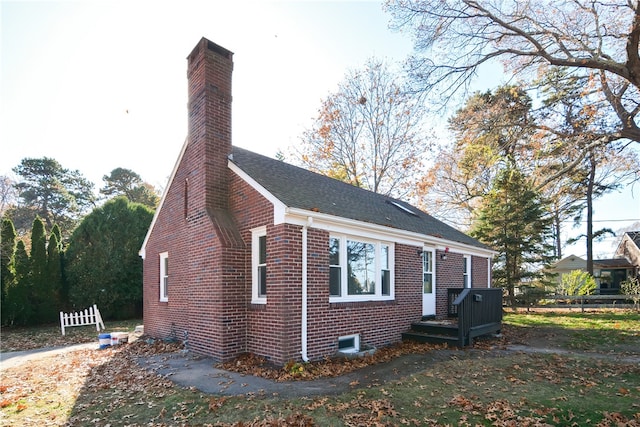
(443,256)
(420,252)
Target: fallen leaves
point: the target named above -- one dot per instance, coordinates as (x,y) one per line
(108,388)
(252,364)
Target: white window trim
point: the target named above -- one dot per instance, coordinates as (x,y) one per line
(256,233)
(164,295)
(344,279)
(350,350)
(468,272)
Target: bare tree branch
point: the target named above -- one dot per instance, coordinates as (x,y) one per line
(454,38)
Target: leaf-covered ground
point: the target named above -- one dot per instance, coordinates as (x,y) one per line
(29,338)
(486,385)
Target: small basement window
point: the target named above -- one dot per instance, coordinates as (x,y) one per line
(349,344)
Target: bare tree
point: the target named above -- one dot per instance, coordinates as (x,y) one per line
(8,194)
(597,41)
(368,133)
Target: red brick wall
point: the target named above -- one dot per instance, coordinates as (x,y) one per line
(224,330)
(479,268)
(448,275)
(379,323)
(209,73)
(207,258)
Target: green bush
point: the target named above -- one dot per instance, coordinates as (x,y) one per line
(578,282)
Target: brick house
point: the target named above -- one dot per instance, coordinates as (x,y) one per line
(250,254)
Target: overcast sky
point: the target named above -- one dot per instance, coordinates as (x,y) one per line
(102,84)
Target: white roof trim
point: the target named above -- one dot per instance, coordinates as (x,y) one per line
(142,251)
(338,224)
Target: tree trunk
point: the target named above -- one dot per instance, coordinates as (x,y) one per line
(558,238)
(590,184)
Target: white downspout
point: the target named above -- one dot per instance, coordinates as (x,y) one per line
(303,333)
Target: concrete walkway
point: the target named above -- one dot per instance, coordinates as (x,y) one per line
(16,358)
(189,370)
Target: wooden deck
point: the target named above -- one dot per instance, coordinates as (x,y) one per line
(477,312)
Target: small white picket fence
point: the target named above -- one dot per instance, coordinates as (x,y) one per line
(90,316)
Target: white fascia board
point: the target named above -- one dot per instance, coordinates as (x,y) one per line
(279,208)
(342,225)
(142,252)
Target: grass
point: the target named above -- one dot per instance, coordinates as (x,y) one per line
(482,386)
(468,389)
(607,331)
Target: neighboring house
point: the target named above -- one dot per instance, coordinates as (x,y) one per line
(629,248)
(250,254)
(609,273)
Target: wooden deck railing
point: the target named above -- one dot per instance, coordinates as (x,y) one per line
(452,295)
(479,312)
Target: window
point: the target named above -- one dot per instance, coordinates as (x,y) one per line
(259,265)
(385,277)
(427,272)
(335,271)
(349,344)
(164,276)
(360,269)
(467,271)
(402,208)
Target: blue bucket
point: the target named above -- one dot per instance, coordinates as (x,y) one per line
(104,340)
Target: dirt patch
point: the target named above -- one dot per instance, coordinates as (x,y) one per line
(536,337)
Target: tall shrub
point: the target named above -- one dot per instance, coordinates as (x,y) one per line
(41,296)
(102,262)
(18,307)
(7,264)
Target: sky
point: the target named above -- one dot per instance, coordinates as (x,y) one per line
(98,85)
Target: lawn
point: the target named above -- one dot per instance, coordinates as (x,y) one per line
(486,385)
(605,331)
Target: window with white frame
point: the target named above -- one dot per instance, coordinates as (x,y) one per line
(427,272)
(466,271)
(164,276)
(360,269)
(335,270)
(259,265)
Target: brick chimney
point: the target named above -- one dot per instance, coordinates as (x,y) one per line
(209,79)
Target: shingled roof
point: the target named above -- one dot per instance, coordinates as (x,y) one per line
(635,237)
(300,188)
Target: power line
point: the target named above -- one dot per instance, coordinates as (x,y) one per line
(604,220)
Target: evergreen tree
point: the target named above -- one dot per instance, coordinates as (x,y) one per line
(102,262)
(41,295)
(7,263)
(56,194)
(125,182)
(513,221)
(54,274)
(18,306)
(63,286)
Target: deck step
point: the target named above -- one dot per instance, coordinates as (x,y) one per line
(429,338)
(435,328)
